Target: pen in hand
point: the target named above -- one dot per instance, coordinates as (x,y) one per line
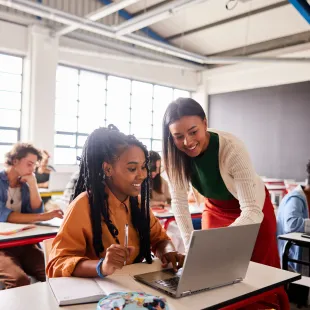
(126,241)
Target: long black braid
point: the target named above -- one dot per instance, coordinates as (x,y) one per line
(104,145)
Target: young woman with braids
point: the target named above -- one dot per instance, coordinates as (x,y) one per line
(113,172)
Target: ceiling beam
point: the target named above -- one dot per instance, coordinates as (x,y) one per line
(148,8)
(267,46)
(303,7)
(100,13)
(228,20)
(147,30)
(153,16)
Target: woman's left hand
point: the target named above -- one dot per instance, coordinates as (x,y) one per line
(175,258)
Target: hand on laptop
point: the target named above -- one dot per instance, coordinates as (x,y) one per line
(115,258)
(175,258)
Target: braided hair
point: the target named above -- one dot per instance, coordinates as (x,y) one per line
(106,145)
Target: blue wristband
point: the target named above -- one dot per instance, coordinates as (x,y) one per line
(98,268)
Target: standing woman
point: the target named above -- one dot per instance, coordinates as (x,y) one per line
(219,167)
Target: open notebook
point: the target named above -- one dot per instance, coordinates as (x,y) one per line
(7,229)
(72,290)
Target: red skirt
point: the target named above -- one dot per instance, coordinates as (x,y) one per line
(220,213)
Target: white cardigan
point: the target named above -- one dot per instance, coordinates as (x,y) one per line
(240,179)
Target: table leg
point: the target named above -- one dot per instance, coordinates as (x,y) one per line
(285,255)
(309,261)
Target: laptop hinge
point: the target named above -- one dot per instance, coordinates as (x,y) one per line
(238,280)
(221,285)
(186,293)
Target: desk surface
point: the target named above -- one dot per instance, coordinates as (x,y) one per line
(45,192)
(272,180)
(295,237)
(273,187)
(29,236)
(259,279)
(193,209)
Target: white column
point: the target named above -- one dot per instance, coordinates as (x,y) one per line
(201,95)
(38,118)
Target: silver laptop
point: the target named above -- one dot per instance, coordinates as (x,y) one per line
(216,257)
(57,182)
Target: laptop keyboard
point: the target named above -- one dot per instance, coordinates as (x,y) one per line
(171,283)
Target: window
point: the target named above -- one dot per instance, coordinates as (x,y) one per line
(87,100)
(11,76)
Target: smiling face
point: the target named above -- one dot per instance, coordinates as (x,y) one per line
(125,176)
(189,135)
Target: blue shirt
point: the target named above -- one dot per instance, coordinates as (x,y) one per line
(26,207)
(292,216)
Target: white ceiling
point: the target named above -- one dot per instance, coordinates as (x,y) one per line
(142,5)
(262,27)
(251,29)
(272,24)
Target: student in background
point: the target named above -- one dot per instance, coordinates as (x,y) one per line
(63,201)
(91,241)
(293,216)
(160,195)
(42,172)
(20,202)
(219,167)
(70,187)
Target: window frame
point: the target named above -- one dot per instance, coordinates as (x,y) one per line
(18,129)
(105,120)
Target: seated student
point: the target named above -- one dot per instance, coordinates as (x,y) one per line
(42,173)
(90,243)
(63,201)
(160,195)
(293,216)
(20,202)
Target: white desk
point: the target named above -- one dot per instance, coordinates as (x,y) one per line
(45,192)
(272,180)
(259,279)
(193,209)
(293,239)
(168,216)
(29,236)
(273,187)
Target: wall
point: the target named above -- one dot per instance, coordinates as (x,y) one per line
(249,75)
(42,53)
(273,122)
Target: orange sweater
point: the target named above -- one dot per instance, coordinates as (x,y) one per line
(74,241)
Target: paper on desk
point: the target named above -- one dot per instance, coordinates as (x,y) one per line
(10,228)
(119,283)
(72,290)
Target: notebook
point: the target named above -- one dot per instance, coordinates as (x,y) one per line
(7,229)
(73,290)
